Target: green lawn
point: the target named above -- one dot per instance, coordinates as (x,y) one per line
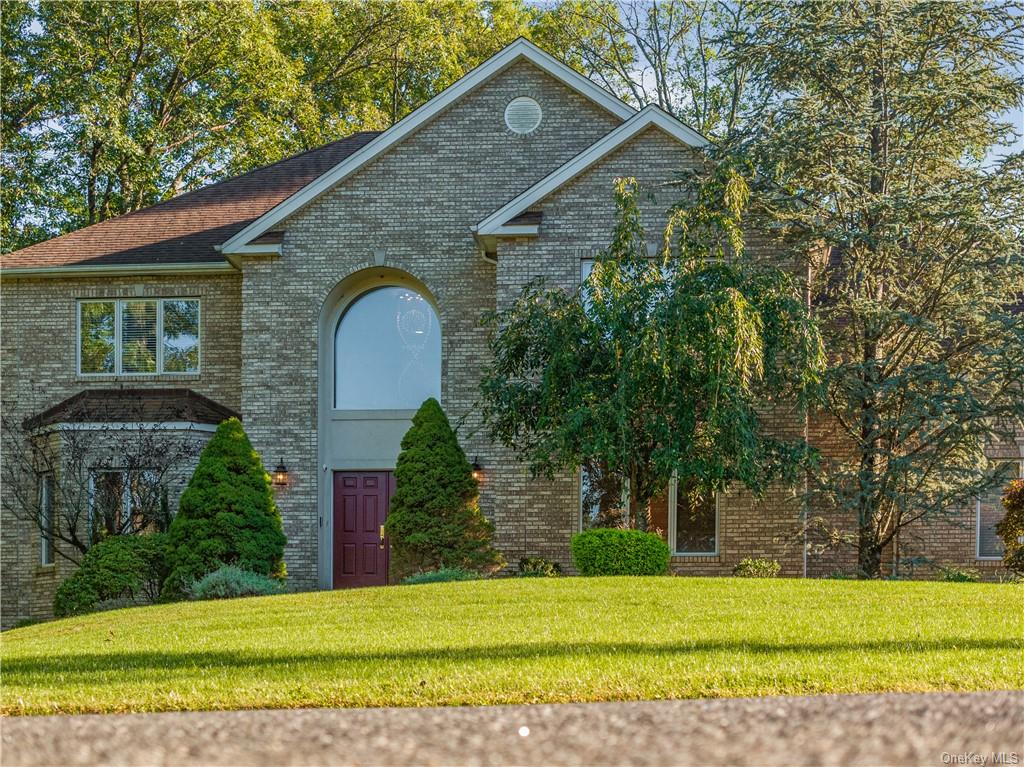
(523,641)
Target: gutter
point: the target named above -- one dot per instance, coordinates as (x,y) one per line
(117,270)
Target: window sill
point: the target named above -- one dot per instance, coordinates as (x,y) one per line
(696,557)
(135,377)
(50,569)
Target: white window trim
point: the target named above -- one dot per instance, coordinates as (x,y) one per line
(977,515)
(118,371)
(46,552)
(673,498)
(673,495)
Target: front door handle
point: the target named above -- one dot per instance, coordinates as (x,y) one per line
(381,542)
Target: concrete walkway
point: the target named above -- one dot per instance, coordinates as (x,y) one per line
(904,730)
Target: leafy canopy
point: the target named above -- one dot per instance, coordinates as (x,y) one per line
(657,365)
(887,120)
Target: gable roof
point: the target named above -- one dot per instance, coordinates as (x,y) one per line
(521,49)
(507,220)
(184,232)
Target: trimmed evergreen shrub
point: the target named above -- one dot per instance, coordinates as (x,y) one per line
(227,515)
(757,568)
(1011,527)
(228,582)
(131,567)
(609,551)
(434,521)
(538,567)
(444,575)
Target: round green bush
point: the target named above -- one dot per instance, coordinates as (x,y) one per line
(757,568)
(607,551)
(443,575)
(229,582)
(131,567)
(227,515)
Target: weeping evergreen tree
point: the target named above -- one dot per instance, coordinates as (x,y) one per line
(887,118)
(227,515)
(434,520)
(656,366)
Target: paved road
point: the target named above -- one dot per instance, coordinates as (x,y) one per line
(903,730)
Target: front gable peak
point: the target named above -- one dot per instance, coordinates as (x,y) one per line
(519,50)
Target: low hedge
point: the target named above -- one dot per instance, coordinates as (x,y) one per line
(606,551)
(131,567)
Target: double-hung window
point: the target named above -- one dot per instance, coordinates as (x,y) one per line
(144,336)
(121,502)
(990,512)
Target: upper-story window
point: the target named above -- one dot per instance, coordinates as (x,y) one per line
(144,336)
(387,352)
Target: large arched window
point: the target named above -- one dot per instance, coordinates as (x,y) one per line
(387,352)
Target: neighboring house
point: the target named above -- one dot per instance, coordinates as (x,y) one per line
(322,298)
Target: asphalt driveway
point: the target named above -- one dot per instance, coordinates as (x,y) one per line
(892,729)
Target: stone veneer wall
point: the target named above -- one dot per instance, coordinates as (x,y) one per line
(38,368)
(416,204)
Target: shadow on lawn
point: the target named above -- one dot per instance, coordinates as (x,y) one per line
(38,670)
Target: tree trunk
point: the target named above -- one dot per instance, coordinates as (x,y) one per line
(869,554)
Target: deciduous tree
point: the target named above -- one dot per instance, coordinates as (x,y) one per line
(657,366)
(885,120)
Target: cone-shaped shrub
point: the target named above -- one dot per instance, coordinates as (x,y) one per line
(435,520)
(227,515)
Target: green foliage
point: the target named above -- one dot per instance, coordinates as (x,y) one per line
(443,575)
(229,582)
(538,567)
(131,567)
(952,574)
(606,551)
(109,107)
(888,119)
(657,366)
(1011,527)
(227,515)
(757,568)
(434,520)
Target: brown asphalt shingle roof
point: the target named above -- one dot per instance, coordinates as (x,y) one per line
(133,406)
(185,229)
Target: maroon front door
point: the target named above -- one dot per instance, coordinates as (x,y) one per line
(360,508)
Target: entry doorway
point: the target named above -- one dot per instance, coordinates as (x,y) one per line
(361,500)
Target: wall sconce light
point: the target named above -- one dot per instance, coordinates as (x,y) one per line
(478,470)
(280,475)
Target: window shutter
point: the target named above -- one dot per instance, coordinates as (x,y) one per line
(138,337)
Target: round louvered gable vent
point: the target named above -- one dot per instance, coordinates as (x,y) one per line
(522,115)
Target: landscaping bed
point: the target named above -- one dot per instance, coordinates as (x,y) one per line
(522,641)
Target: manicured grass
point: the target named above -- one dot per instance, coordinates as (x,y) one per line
(523,641)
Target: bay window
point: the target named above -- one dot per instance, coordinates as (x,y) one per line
(145,336)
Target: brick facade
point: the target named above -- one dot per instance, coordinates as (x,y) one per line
(412,209)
